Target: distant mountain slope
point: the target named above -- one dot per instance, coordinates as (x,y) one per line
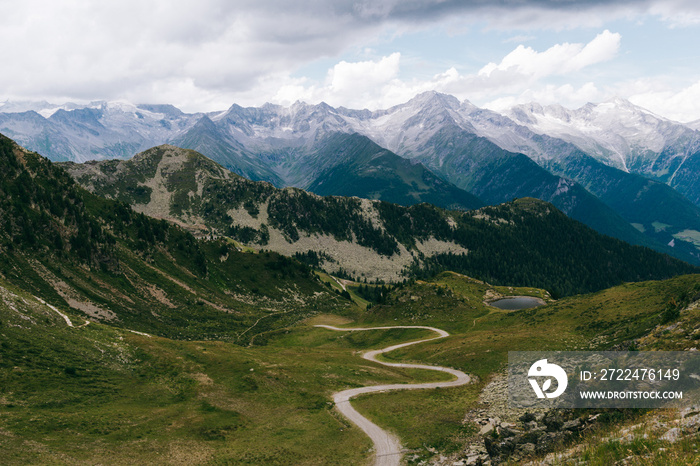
(313,150)
(526,242)
(283,140)
(97,131)
(206,137)
(640,201)
(457,141)
(361,168)
(433,133)
(101,260)
(651,206)
(624,136)
(433,129)
(616,132)
(604,199)
(285,146)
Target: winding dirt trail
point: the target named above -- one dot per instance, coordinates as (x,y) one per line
(387,446)
(53,308)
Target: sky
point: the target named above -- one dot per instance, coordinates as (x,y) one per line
(206,55)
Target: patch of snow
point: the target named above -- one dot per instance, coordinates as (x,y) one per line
(615,131)
(562,187)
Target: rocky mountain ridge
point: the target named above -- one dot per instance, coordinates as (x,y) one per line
(477,150)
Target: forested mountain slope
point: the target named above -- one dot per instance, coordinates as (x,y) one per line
(99,259)
(526,242)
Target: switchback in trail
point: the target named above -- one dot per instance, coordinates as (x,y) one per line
(387,447)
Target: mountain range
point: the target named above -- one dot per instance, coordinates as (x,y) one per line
(613,166)
(524,242)
(127,339)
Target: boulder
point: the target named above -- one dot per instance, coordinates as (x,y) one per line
(554,421)
(573,426)
(672,435)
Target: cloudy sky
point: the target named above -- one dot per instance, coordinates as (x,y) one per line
(205,55)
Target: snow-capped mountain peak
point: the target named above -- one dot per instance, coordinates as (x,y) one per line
(615,131)
(434,99)
(43,108)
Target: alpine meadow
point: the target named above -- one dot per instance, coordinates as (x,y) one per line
(330,233)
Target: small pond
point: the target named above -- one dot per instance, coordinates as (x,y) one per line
(516,303)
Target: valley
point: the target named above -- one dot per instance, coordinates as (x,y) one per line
(209,401)
(389,233)
(164,309)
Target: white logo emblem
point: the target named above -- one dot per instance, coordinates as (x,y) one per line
(543,369)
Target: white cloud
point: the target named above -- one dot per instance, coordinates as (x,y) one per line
(676,105)
(360,77)
(677,13)
(107,50)
(206,54)
(559,59)
(566,95)
(364,84)
(519,77)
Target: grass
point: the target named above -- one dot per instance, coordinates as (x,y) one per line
(425,420)
(482,336)
(106,395)
(242,247)
(161,296)
(334,285)
(658,226)
(357,299)
(638,440)
(691,236)
(101,394)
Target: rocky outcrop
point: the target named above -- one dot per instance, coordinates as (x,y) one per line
(533,434)
(504,433)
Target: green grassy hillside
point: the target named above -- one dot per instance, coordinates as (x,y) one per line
(481,337)
(100,393)
(100,259)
